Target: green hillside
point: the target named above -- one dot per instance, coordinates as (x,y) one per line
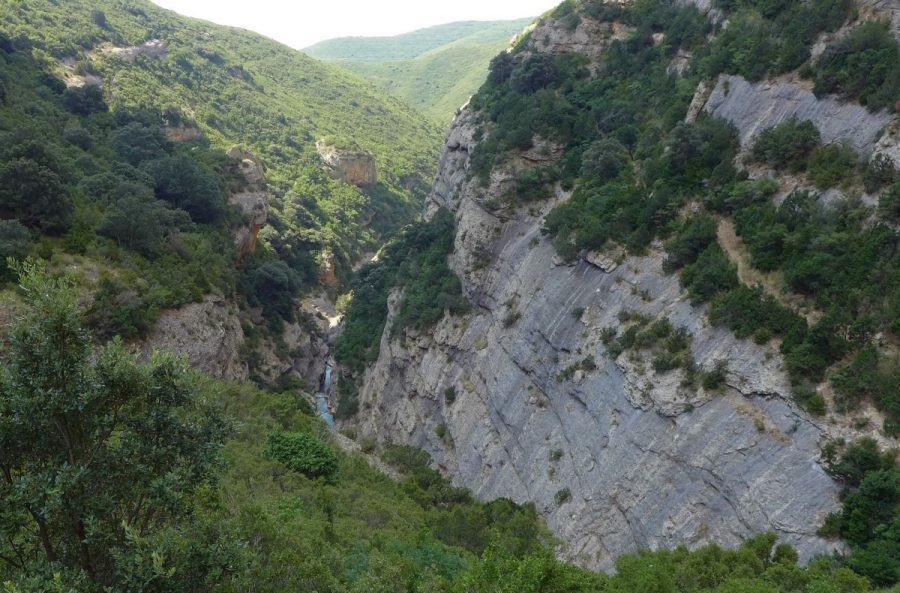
(435,70)
(239,87)
(150,216)
(412,45)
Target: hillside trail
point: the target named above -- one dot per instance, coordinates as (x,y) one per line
(771,283)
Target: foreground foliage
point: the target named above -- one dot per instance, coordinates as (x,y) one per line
(102,456)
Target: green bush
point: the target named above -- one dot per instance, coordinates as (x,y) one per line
(864,65)
(749,311)
(769,37)
(184,184)
(32,183)
(870,376)
(870,518)
(271,285)
(604,160)
(831,165)
(138,221)
(695,235)
(303,453)
(889,204)
(787,145)
(15,243)
(534,73)
(879,172)
(710,274)
(85,100)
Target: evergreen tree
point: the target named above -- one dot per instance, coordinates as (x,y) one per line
(99,454)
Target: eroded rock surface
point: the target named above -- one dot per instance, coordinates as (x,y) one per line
(646,461)
(755,107)
(208,333)
(253,202)
(350,165)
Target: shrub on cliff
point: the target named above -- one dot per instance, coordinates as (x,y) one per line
(303,453)
(787,145)
(864,65)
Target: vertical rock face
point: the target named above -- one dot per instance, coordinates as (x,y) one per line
(616,456)
(253,202)
(350,165)
(646,464)
(327,275)
(210,334)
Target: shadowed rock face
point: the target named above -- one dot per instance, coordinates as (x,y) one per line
(647,462)
(354,166)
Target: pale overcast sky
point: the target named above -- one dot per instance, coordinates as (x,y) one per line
(301,23)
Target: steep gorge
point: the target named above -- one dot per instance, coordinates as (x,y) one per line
(521,398)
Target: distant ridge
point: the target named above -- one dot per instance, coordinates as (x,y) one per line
(434,70)
(411,45)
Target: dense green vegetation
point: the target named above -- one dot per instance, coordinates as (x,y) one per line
(411,45)
(870,519)
(238,88)
(634,164)
(172,498)
(415,260)
(769,37)
(434,70)
(110,189)
(864,65)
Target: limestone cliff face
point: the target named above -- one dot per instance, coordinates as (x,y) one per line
(617,457)
(207,333)
(755,107)
(646,463)
(210,335)
(350,165)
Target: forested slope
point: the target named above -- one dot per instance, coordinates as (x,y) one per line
(122,112)
(434,70)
